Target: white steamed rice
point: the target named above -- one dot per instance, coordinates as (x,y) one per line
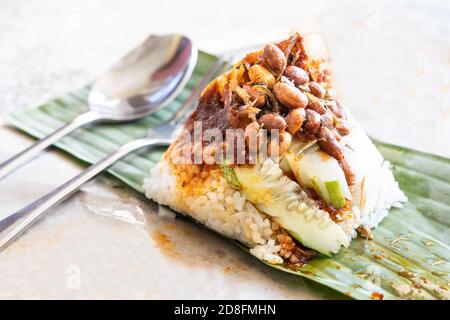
(227,211)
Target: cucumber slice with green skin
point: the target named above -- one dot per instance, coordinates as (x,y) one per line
(335,192)
(266,186)
(320,189)
(229,175)
(314,170)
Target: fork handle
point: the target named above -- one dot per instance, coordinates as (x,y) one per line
(13,225)
(29,153)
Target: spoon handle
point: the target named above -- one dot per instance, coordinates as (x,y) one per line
(29,153)
(13,225)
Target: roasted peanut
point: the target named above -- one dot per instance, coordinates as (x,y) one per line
(312,121)
(342,128)
(290,96)
(316,105)
(258,97)
(297,75)
(294,120)
(273,58)
(327,120)
(329,144)
(260,75)
(336,108)
(273,148)
(273,121)
(251,132)
(285,142)
(278,147)
(317,90)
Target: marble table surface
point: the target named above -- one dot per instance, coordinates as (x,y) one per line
(392,64)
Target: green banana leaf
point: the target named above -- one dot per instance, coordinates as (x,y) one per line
(409,257)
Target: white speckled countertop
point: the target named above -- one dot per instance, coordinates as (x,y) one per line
(392,63)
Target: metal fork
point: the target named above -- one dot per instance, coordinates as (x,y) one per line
(12,226)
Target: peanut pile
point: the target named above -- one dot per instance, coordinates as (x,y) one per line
(287,99)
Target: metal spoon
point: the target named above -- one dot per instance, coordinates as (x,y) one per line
(142,82)
(160,135)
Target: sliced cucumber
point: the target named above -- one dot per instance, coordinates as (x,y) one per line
(229,175)
(337,198)
(320,189)
(266,186)
(315,169)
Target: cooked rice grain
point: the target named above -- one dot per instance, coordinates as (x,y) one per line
(219,207)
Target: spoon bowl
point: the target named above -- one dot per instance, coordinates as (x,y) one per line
(142,82)
(145,80)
